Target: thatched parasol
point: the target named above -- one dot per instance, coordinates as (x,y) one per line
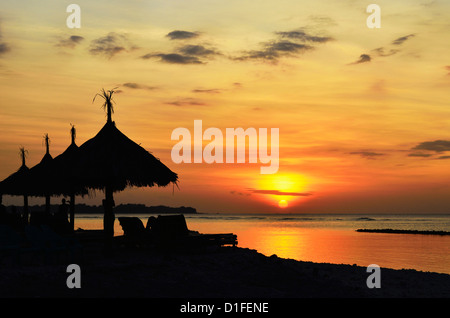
(15,183)
(111,161)
(62,181)
(39,178)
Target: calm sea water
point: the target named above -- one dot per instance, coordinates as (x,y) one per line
(327,238)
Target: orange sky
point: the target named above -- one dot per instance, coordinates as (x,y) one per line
(363,113)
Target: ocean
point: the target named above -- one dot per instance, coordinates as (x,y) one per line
(326,238)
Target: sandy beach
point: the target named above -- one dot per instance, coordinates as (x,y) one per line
(227,272)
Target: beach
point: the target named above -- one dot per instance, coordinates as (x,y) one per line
(227,272)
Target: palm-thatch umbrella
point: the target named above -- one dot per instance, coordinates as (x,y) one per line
(38,178)
(15,184)
(111,161)
(61,180)
(54,176)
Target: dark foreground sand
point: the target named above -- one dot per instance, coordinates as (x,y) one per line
(228,272)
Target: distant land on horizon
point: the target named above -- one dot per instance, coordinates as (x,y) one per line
(129,208)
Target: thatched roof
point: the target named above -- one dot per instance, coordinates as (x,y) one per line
(38,178)
(14,184)
(108,160)
(112,159)
(58,173)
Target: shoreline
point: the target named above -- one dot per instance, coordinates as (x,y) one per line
(226,272)
(403,231)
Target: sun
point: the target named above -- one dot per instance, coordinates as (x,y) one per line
(283,204)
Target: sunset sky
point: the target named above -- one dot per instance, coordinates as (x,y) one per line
(363,114)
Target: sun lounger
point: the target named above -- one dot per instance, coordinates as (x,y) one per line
(134,232)
(171,231)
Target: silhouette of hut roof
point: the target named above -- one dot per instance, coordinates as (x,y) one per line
(59,174)
(112,162)
(112,159)
(38,181)
(14,184)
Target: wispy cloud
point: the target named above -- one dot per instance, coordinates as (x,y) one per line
(383,51)
(182,35)
(173,58)
(208,91)
(436,146)
(303,36)
(111,44)
(287,44)
(272,51)
(197,50)
(419,154)
(429,149)
(363,58)
(402,39)
(138,86)
(367,154)
(278,192)
(4,47)
(240,193)
(186,102)
(186,54)
(70,42)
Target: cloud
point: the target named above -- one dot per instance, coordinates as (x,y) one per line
(272,51)
(363,58)
(304,37)
(443,157)
(381,51)
(367,154)
(4,47)
(138,86)
(209,91)
(436,146)
(277,192)
(173,58)
(187,54)
(287,43)
(111,44)
(424,155)
(240,193)
(384,51)
(182,35)
(447,67)
(70,42)
(186,102)
(402,39)
(197,50)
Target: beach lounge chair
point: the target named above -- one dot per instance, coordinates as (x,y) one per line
(134,232)
(172,230)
